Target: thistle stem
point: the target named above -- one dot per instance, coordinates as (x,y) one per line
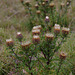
(60,63)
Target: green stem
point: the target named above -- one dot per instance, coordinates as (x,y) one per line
(60,64)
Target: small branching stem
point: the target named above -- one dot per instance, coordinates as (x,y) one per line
(48,58)
(38,59)
(57,47)
(60,63)
(14,53)
(30,58)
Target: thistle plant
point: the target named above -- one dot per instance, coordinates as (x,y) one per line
(44,43)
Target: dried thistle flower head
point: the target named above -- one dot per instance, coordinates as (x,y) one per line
(9,42)
(51,5)
(47,19)
(49,36)
(36,39)
(68,4)
(56,25)
(38,11)
(57,28)
(65,30)
(26,45)
(36,6)
(62,5)
(27,3)
(63,55)
(37,27)
(19,36)
(43,3)
(36,32)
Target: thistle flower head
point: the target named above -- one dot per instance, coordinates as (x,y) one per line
(57,28)
(36,39)
(36,32)
(47,19)
(56,25)
(51,5)
(49,37)
(62,5)
(19,36)
(65,31)
(68,4)
(38,12)
(9,42)
(26,45)
(37,27)
(36,6)
(43,3)
(63,55)
(27,3)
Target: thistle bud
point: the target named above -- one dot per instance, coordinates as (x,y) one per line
(9,42)
(38,12)
(37,27)
(49,37)
(36,32)
(36,6)
(65,31)
(57,28)
(26,45)
(51,5)
(27,3)
(36,39)
(63,55)
(47,19)
(19,36)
